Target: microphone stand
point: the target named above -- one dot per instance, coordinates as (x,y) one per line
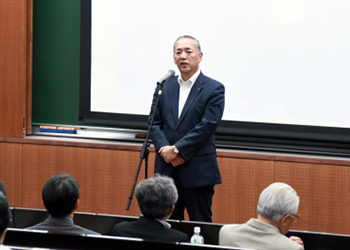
(144,151)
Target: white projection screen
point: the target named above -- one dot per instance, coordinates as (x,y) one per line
(284,62)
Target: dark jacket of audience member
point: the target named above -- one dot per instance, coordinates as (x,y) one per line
(156,197)
(61,198)
(5,217)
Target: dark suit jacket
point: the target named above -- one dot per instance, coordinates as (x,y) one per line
(61,225)
(193,132)
(150,229)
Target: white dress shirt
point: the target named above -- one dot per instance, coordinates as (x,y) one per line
(185,88)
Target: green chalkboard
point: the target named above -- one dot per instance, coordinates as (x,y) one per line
(56,60)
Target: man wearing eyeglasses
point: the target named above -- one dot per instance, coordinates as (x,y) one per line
(277,211)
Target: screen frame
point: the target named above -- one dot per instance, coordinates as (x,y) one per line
(268,137)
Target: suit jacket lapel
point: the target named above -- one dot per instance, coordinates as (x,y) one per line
(174,98)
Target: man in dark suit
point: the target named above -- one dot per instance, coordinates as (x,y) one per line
(189,112)
(156,197)
(61,198)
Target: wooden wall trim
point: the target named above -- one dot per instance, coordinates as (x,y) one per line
(78,143)
(222,153)
(29,67)
(315,159)
(13,67)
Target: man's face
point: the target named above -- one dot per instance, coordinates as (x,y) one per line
(187,57)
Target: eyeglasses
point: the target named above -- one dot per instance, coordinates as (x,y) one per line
(296,217)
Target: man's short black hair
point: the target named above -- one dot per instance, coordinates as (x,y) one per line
(60,194)
(5,215)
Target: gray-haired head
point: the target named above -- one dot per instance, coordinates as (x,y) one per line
(156,196)
(196,42)
(278,200)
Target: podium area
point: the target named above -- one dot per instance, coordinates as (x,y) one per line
(105,171)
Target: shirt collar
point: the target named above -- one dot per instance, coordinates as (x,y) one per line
(164,223)
(191,80)
(262,225)
(63,218)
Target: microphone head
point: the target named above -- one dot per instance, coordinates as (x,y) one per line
(171,72)
(168,75)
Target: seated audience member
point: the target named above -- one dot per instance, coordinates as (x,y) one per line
(5,217)
(277,211)
(156,197)
(61,198)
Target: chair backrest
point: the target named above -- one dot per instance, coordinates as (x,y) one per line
(26,217)
(209,231)
(322,241)
(86,220)
(106,222)
(16,238)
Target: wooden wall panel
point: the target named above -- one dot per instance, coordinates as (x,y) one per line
(13,67)
(235,200)
(105,176)
(29,67)
(11,171)
(324,192)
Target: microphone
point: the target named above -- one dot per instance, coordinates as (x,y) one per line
(170,73)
